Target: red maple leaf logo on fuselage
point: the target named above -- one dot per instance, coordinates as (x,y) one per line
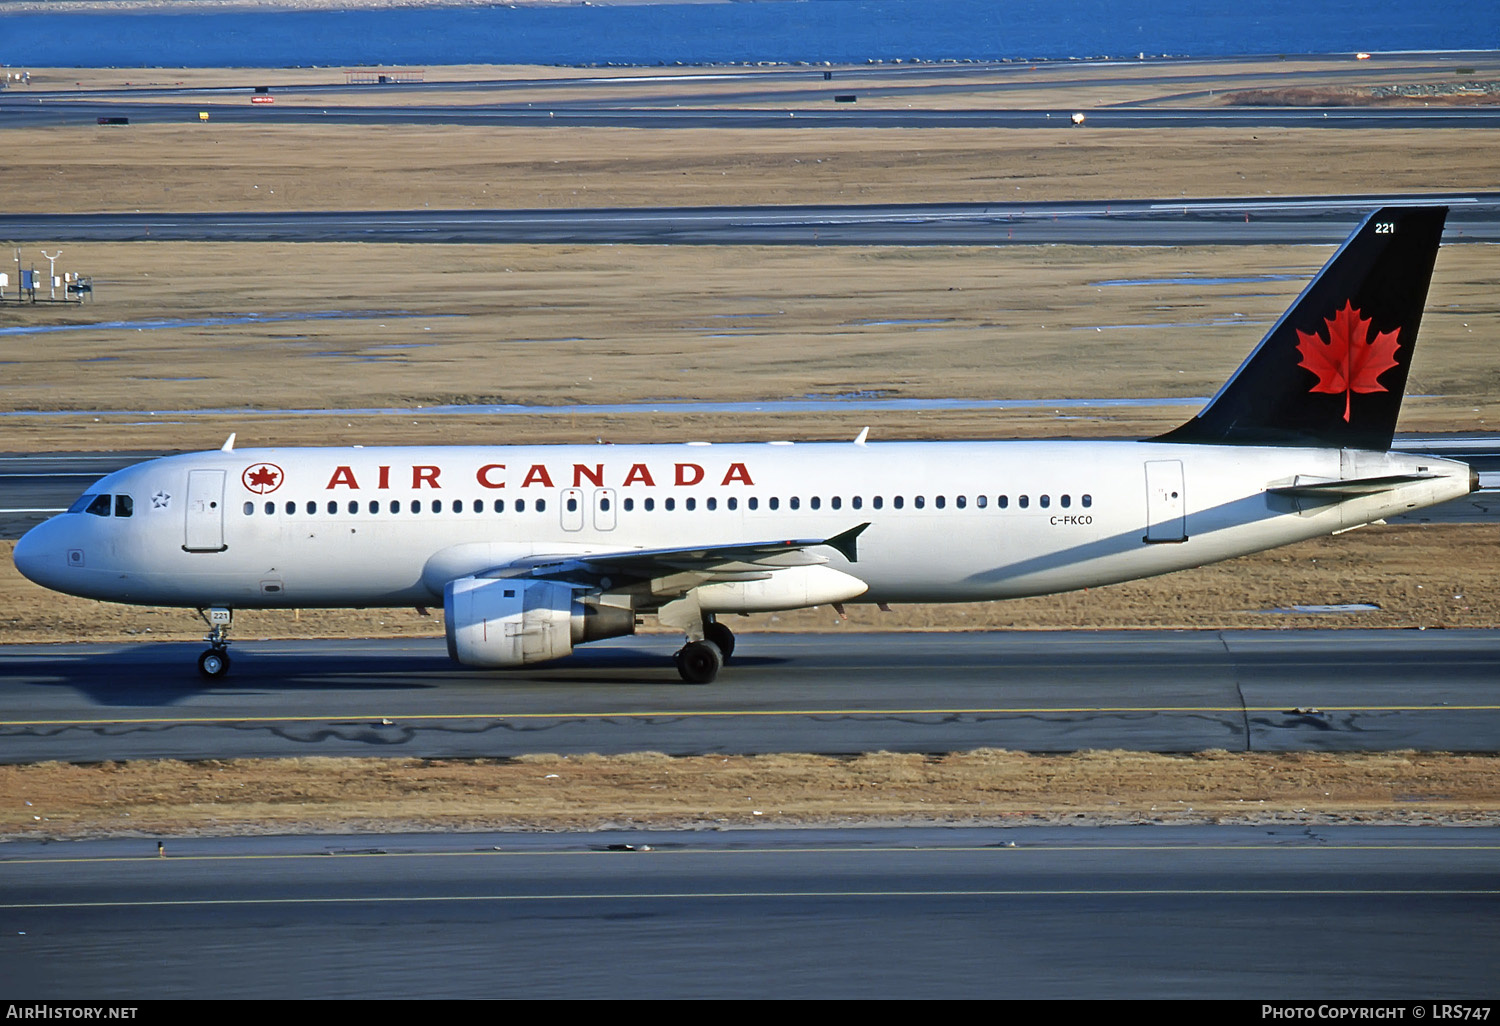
(1351,360)
(262,478)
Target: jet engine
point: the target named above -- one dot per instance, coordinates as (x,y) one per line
(508,622)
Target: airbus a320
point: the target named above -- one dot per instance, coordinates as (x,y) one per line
(533,550)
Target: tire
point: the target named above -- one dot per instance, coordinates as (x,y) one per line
(700,662)
(721,636)
(213,663)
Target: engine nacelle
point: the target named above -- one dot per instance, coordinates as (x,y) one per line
(510,622)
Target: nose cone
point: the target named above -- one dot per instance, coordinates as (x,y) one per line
(40,556)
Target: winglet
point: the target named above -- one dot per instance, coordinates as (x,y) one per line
(864,433)
(845,543)
(228,445)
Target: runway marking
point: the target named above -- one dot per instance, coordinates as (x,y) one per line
(374,719)
(803,895)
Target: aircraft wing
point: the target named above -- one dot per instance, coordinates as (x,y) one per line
(738,561)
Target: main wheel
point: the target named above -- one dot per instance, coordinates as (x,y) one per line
(213,663)
(700,662)
(720,635)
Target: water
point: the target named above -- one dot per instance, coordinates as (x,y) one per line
(838,31)
(159,324)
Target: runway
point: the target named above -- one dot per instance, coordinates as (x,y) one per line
(1473,217)
(19,113)
(1280,914)
(1058,691)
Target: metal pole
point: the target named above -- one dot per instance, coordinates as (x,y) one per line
(51,273)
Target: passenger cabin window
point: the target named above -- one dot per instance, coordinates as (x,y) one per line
(1045,501)
(1024,501)
(1088,500)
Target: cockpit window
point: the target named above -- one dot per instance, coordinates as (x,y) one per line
(124,506)
(99,507)
(81,503)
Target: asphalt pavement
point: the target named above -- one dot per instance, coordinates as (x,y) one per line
(1280,914)
(1042,691)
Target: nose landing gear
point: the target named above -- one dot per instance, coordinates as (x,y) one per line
(215,662)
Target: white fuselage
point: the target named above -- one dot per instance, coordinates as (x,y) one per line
(948,521)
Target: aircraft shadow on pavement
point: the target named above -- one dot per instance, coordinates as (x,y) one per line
(166,674)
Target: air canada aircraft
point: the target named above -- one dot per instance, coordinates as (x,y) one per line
(535,549)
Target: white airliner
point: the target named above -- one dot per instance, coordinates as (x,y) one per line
(535,549)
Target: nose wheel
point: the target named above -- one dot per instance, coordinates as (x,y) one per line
(215,662)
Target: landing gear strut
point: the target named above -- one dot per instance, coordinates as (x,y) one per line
(720,635)
(215,662)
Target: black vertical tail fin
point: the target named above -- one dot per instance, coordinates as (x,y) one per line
(1332,371)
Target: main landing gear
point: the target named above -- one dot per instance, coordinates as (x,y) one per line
(215,662)
(699,662)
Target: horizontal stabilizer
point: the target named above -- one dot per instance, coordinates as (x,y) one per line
(1338,491)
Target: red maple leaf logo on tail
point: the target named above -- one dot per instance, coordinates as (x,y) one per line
(1350,361)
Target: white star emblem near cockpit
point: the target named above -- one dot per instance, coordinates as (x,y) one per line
(161,500)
